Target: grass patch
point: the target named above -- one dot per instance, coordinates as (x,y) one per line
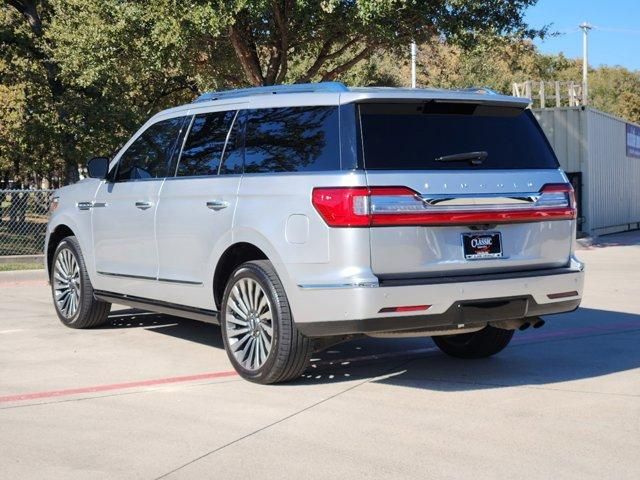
(9,267)
(25,238)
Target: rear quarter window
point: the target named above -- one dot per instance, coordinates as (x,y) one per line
(411,136)
(295,139)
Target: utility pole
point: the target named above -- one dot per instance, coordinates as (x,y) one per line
(585,27)
(413,64)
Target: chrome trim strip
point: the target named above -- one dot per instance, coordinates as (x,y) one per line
(383,204)
(526,196)
(90,205)
(124,275)
(319,286)
(183,282)
(143,277)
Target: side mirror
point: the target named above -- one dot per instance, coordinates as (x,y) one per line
(98,167)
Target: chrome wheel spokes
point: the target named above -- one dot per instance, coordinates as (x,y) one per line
(249,323)
(66,283)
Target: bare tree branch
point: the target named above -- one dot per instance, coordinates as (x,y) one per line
(342,49)
(324,56)
(29,11)
(247,55)
(281,17)
(332,74)
(317,65)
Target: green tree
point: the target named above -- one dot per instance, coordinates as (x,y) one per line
(80,75)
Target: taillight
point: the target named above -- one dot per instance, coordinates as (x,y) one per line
(343,207)
(558,195)
(402,206)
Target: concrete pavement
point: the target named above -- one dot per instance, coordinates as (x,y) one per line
(152,396)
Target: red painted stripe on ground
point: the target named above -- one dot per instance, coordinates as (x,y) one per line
(539,337)
(115,386)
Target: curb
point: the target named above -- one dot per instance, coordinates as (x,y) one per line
(22,259)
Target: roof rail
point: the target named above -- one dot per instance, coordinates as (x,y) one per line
(328,87)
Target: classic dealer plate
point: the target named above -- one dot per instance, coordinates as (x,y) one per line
(480,246)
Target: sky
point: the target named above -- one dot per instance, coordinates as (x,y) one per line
(614,40)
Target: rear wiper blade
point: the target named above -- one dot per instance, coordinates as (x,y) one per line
(476,158)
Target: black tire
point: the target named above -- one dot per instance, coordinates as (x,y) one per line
(480,344)
(89,312)
(290,351)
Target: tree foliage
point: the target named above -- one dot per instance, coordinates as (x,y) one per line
(78,76)
(499,61)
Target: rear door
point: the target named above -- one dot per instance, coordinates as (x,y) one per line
(196,208)
(462,189)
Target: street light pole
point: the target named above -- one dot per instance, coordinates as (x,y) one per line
(413,64)
(585,27)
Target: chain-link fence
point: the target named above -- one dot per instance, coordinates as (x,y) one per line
(23,221)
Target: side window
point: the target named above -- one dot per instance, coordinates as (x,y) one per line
(295,139)
(204,146)
(150,155)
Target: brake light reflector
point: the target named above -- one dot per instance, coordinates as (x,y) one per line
(553,296)
(409,308)
(402,206)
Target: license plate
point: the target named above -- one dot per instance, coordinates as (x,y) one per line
(481,246)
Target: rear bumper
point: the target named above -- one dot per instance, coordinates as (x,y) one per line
(345,309)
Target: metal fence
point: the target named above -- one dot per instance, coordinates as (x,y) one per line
(23,221)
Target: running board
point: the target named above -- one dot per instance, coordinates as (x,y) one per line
(158,306)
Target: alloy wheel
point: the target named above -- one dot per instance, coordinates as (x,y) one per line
(249,323)
(66,283)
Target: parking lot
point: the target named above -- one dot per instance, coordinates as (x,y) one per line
(152,396)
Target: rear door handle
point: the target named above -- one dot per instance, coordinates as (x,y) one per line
(144,205)
(217,205)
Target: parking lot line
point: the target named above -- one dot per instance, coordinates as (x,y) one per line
(115,386)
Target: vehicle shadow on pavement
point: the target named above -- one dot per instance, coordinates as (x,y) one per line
(183,328)
(592,343)
(617,239)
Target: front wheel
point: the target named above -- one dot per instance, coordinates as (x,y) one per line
(72,290)
(480,344)
(260,336)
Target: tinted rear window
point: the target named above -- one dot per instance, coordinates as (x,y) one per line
(292,140)
(411,136)
(204,146)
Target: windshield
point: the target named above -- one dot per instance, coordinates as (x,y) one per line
(451,136)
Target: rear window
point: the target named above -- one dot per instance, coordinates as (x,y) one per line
(297,139)
(451,136)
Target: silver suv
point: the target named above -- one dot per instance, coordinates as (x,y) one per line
(299,216)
